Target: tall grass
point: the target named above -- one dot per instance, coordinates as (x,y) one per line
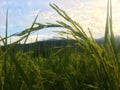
(85,66)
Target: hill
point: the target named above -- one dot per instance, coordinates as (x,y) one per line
(43,47)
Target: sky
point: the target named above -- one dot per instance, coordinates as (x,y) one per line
(89,13)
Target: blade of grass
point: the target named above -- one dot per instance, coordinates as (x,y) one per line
(30,30)
(5,58)
(112,38)
(22,73)
(6,32)
(106,37)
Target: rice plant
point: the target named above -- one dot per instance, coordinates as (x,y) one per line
(86,65)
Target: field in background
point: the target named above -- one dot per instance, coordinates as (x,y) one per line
(86,65)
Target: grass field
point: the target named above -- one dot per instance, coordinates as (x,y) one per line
(95,67)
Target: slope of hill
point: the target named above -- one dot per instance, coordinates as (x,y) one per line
(47,45)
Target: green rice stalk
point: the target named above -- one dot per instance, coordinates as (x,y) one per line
(22,73)
(5,58)
(109,35)
(107,26)
(30,30)
(111,31)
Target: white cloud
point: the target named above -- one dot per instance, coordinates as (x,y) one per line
(47,15)
(92,14)
(89,13)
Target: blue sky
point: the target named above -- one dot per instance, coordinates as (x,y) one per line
(89,13)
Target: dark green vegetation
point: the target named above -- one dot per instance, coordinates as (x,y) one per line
(95,67)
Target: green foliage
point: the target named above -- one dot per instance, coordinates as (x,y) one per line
(85,66)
